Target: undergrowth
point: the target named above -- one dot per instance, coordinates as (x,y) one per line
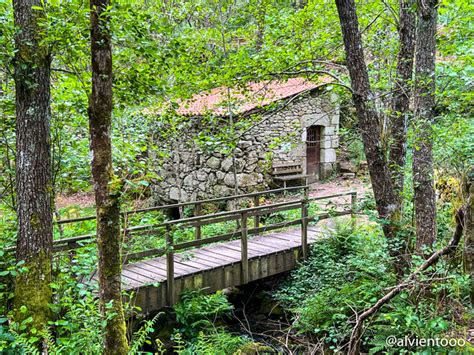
(349,271)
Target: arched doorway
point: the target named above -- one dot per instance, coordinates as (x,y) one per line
(313,150)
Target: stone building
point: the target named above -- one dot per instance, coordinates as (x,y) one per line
(292,122)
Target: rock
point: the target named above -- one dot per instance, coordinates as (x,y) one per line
(226,164)
(247,180)
(213,163)
(363,165)
(348,176)
(211,179)
(239,165)
(174,194)
(244,144)
(220,175)
(328,155)
(238,152)
(347,167)
(229,180)
(188,181)
(252,157)
(329,130)
(201,176)
(220,191)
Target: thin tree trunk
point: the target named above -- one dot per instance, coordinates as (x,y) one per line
(469,234)
(260,19)
(401,96)
(423,180)
(369,125)
(106,188)
(33,166)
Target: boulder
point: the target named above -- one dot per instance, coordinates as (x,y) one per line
(347,167)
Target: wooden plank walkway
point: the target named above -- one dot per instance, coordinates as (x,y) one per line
(214,267)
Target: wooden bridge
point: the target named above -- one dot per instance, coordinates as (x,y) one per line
(257,247)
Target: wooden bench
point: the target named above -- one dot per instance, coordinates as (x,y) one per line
(288,172)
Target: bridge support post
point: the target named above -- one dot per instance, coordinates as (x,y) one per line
(244,249)
(169,266)
(304,228)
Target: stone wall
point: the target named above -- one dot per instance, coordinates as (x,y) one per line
(187,173)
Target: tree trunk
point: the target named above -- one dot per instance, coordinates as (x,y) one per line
(33,166)
(369,125)
(469,232)
(423,180)
(106,188)
(401,95)
(300,4)
(260,20)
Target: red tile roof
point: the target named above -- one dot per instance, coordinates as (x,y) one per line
(254,95)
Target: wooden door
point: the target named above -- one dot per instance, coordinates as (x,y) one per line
(313,150)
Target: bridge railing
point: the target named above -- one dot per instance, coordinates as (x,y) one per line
(75,242)
(244,231)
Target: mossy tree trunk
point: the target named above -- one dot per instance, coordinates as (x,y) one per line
(33,166)
(423,172)
(105,187)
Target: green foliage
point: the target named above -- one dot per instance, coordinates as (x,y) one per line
(197,312)
(217,341)
(346,271)
(140,338)
(349,270)
(200,317)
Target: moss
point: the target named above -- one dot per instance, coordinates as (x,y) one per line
(35,221)
(255,348)
(117,330)
(33,292)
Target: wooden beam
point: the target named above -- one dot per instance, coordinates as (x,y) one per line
(304,229)
(170,266)
(244,249)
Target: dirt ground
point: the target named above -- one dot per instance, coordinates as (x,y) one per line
(339,185)
(81,199)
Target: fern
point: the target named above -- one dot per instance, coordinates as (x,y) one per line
(141,336)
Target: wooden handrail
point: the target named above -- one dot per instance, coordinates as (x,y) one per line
(235,214)
(235,234)
(183,204)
